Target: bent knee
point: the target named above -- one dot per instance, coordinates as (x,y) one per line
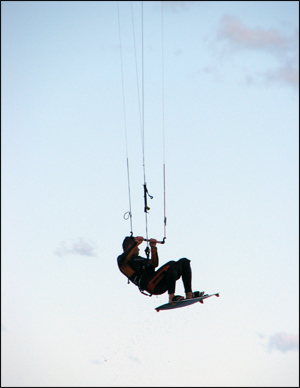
(171,263)
(184,260)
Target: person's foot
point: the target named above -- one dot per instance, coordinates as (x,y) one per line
(176,298)
(197,294)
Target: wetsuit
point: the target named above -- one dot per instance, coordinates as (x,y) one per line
(141,272)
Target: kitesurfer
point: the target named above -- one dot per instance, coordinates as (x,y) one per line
(142,273)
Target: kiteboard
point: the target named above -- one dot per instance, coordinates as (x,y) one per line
(184,302)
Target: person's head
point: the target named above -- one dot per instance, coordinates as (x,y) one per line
(127,242)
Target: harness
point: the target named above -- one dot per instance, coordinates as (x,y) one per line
(138,279)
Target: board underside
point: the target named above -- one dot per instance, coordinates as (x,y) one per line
(183,302)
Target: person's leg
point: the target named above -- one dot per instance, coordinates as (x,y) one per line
(165,278)
(171,277)
(184,269)
(157,284)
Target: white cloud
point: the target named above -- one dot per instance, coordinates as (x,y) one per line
(282,341)
(3,328)
(284,49)
(287,74)
(98,362)
(232,29)
(135,359)
(79,247)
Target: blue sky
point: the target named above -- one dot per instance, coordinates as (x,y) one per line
(225,89)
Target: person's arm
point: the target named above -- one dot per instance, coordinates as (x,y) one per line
(127,255)
(154,255)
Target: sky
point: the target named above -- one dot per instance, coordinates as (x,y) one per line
(214,89)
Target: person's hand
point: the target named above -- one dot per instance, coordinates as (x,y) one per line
(139,240)
(153,242)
